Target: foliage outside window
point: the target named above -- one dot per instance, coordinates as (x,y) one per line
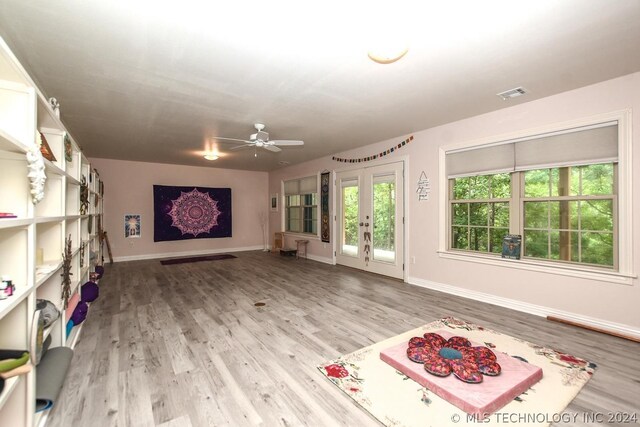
(301,206)
(564,213)
(480,212)
(569,214)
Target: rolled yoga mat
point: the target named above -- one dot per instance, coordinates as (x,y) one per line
(50,376)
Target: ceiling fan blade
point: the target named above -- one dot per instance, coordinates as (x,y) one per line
(232,139)
(272,148)
(240,147)
(286,142)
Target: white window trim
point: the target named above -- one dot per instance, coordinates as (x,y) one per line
(625,273)
(283,216)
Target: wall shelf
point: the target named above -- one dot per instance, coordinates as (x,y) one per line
(38,232)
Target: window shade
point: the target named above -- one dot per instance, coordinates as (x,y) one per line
(301,186)
(291,187)
(588,145)
(309,185)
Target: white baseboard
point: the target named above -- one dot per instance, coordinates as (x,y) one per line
(537,310)
(321,259)
(187,253)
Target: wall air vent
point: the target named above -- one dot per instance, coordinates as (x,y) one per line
(512,93)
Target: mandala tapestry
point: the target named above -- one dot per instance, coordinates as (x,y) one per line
(191,213)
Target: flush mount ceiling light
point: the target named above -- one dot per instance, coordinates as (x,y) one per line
(512,93)
(211,156)
(387,55)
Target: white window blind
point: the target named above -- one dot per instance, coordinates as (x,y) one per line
(309,185)
(588,145)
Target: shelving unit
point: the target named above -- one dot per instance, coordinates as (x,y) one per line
(31,244)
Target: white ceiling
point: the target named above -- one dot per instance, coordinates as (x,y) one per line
(156,80)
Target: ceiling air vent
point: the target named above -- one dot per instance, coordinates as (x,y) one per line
(512,93)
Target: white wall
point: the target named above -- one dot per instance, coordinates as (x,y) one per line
(601,303)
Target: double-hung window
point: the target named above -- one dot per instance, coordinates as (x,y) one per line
(557,190)
(301,205)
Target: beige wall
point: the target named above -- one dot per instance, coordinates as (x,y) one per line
(603,303)
(129,190)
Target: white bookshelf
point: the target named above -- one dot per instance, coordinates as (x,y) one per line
(31,244)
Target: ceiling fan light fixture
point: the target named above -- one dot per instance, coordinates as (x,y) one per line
(211,156)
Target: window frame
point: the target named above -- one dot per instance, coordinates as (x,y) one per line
(301,208)
(623,233)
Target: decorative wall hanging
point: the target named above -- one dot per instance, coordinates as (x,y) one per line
(191,213)
(375,156)
(36,175)
(68,154)
(274,202)
(66,272)
(84,196)
(132,226)
(44,147)
(424,187)
(325,230)
(83,249)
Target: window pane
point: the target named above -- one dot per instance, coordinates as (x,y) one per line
(499,214)
(562,215)
(461,188)
(478,239)
(459,239)
(384,221)
(293,200)
(555,182)
(293,219)
(597,248)
(309,219)
(496,236)
(536,214)
(536,244)
(597,179)
(479,187)
(478,214)
(460,215)
(596,215)
(536,183)
(554,249)
(350,220)
(501,186)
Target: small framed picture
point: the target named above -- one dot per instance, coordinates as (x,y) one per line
(274,202)
(132,226)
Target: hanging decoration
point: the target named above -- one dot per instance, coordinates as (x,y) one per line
(325,231)
(66,272)
(374,156)
(424,187)
(84,196)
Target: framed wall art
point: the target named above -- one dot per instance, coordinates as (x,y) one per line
(274,202)
(132,226)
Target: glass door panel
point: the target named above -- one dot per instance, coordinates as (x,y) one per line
(350,241)
(384,219)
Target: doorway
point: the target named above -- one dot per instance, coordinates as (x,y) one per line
(370,218)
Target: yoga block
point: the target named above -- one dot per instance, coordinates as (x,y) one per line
(481,399)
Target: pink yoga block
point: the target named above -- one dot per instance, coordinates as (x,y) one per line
(73,301)
(478,399)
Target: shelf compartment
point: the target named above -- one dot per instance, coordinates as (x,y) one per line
(14,248)
(12,412)
(7,308)
(51,290)
(9,386)
(73,200)
(46,270)
(11,144)
(50,239)
(17,111)
(52,204)
(15,197)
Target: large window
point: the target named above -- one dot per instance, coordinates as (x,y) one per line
(301,205)
(558,191)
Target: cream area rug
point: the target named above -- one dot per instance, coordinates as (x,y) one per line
(396,400)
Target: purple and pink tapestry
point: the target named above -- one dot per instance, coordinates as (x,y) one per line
(191,213)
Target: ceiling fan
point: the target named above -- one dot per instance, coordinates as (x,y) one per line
(260,139)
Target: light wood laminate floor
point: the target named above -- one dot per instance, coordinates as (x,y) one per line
(184,345)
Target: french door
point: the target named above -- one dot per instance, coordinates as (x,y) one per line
(369,219)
